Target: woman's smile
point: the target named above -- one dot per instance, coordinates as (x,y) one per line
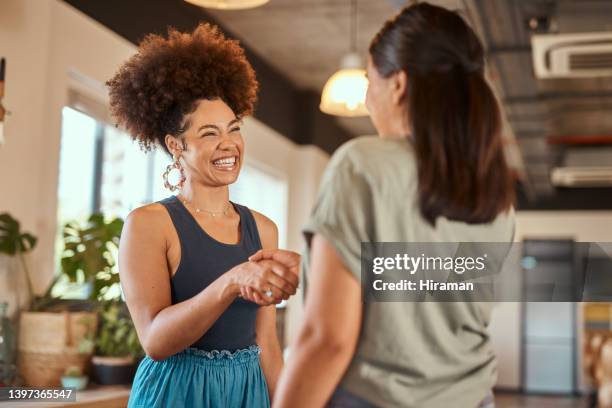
(226,163)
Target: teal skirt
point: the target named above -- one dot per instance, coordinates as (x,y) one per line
(201,379)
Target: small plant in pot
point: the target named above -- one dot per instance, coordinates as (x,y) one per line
(73,378)
(117,349)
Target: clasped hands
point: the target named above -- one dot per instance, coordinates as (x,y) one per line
(269,277)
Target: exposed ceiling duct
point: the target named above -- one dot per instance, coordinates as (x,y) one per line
(566,92)
(584,167)
(572,55)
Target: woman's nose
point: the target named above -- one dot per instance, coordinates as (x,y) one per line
(227,143)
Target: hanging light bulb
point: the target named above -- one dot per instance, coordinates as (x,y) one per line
(228,4)
(344,92)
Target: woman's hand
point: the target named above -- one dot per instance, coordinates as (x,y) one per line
(290,259)
(264,282)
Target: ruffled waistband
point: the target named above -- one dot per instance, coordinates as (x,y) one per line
(216,357)
(222,354)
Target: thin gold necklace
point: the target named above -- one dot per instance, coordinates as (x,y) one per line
(212,213)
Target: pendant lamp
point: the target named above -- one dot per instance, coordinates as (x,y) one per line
(345,91)
(228,4)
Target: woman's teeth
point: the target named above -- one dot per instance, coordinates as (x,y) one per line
(227,163)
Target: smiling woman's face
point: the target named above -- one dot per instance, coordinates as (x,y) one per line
(214,146)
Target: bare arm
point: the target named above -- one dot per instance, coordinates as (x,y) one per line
(271,354)
(328,336)
(267,338)
(165,329)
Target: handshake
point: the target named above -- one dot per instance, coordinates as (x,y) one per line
(269,277)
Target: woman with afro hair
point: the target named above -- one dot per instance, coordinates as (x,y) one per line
(201,275)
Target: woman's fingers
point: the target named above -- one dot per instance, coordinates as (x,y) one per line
(291,278)
(269,292)
(244,294)
(274,278)
(279,276)
(250,295)
(259,299)
(267,282)
(257,256)
(282,271)
(289,259)
(256,297)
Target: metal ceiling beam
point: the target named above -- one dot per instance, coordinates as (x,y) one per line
(548,96)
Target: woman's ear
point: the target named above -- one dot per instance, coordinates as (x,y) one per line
(399,86)
(174,145)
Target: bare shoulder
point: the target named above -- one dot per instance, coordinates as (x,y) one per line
(151,220)
(154,212)
(268,231)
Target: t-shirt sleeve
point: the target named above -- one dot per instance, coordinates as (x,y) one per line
(342,214)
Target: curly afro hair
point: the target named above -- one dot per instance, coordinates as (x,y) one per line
(155,89)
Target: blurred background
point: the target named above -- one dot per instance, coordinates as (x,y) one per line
(69,176)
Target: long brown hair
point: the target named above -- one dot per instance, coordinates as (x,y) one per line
(455,118)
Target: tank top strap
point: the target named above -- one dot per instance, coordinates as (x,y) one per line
(186,229)
(252,233)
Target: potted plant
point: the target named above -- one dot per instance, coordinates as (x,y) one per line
(49,342)
(52,333)
(117,350)
(14,244)
(73,378)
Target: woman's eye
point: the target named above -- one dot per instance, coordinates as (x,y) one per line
(236,129)
(208,134)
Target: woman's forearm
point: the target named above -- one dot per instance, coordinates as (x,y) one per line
(176,327)
(271,364)
(311,373)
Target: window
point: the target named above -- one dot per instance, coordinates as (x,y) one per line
(76,171)
(103,170)
(264,192)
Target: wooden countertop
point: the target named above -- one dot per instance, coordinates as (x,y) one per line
(95,396)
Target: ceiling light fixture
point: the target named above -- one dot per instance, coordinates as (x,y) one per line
(345,91)
(228,4)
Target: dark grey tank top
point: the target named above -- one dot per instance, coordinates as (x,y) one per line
(203,260)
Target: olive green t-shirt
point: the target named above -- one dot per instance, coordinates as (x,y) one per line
(409,354)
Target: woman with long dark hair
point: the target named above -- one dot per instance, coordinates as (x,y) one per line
(436,173)
(204,313)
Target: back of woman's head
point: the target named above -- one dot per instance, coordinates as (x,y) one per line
(454,116)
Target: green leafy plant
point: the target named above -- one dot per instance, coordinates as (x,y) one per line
(87,343)
(88,253)
(73,371)
(14,242)
(117,335)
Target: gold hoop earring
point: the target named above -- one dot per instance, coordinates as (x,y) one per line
(176,165)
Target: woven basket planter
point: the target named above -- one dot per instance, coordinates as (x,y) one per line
(48,343)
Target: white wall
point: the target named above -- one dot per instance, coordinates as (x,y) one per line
(24,43)
(301,166)
(43,40)
(51,48)
(505,329)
